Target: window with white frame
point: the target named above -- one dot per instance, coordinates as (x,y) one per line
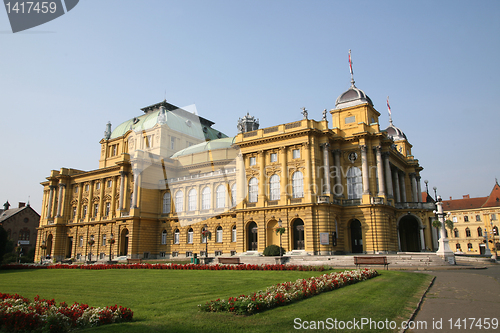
(179,201)
(80,241)
(164,237)
(166,203)
(96,209)
(218,235)
(354,183)
(220,201)
(233,195)
(172,142)
(109,183)
(97,186)
(176,236)
(190,236)
(192,200)
(84,211)
(74,212)
(296,153)
(454,219)
(297,185)
(253,160)
(274,187)
(107,209)
(103,243)
(205,198)
(273,157)
(253,189)
(469,247)
(233,234)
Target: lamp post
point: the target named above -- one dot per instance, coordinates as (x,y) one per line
(493,239)
(111,242)
(426,185)
(444,250)
(206,240)
(280,224)
(43,247)
(435,195)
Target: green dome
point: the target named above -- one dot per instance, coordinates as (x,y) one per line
(206,146)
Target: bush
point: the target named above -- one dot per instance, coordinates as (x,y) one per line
(273,250)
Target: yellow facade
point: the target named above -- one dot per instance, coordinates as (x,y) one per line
(165,176)
(475,223)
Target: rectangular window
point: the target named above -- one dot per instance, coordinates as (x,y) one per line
(253,160)
(274,157)
(233,253)
(218,253)
(454,218)
(145,255)
(349,120)
(189,254)
(86,187)
(478,217)
(176,238)
(190,237)
(101,256)
(296,153)
(175,254)
(84,212)
(103,240)
(74,212)
(96,209)
(172,142)
(493,217)
(97,186)
(80,241)
(466,218)
(233,235)
(162,255)
(109,183)
(108,208)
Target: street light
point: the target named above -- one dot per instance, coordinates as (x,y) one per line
(426,185)
(280,224)
(493,238)
(43,251)
(111,242)
(435,195)
(206,240)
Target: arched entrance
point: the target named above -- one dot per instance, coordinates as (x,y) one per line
(48,252)
(409,237)
(356,237)
(298,234)
(252,236)
(124,242)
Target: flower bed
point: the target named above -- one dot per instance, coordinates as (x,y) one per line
(243,267)
(18,314)
(284,293)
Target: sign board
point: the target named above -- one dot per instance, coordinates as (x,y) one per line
(324,238)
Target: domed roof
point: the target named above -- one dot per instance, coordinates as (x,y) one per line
(353,96)
(215,144)
(395,133)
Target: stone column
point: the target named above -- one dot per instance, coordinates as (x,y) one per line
(123,176)
(241,184)
(284,175)
(422,239)
(326,164)
(419,190)
(49,206)
(113,197)
(262,179)
(403,186)
(338,189)
(60,199)
(136,189)
(380,172)
(388,175)
(414,186)
(364,170)
(396,185)
(308,172)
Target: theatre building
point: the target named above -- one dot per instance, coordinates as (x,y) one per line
(170,185)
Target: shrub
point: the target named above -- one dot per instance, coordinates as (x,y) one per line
(273,250)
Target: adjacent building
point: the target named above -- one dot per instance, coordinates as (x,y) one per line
(475,223)
(170,185)
(21,224)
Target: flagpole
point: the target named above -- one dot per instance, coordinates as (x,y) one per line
(389,110)
(350,68)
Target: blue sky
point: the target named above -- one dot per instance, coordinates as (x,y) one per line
(104,60)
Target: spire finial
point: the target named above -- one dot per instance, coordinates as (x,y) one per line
(389,110)
(350,68)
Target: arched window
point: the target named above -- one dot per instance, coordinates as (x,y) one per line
(205,198)
(218,235)
(233,234)
(458,247)
(221,196)
(24,234)
(479,232)
(469,247)
(233,195)
(192,200)
(176,236)
(467,232)
(455,233)
(274,187)
(164,237)
(354,183)
(179,201)
(297,185)
(166,203)
(253,189)
(190,236)
(495,230)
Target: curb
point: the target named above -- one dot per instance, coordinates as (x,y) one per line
(403,330)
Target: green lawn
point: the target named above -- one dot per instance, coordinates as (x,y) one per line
(166,300)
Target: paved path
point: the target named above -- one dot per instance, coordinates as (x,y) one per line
(461,294)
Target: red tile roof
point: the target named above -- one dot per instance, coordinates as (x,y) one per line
(493,200)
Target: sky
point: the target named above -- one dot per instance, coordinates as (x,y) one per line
(62,81)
